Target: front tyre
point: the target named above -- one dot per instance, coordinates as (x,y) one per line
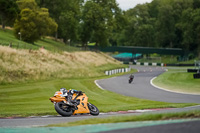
(63,109)
(93,109)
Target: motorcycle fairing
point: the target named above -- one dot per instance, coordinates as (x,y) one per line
(82,107)
(83,104)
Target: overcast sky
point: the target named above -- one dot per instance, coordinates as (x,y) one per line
(127,4)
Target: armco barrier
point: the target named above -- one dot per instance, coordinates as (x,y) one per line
(115,71)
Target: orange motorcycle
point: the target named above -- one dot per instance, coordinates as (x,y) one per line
(80,101)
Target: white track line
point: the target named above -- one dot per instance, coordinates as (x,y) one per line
(98,84)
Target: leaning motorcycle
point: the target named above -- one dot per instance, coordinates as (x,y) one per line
(130,80)
(80,101)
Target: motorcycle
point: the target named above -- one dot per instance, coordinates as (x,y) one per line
(80,101)
(130,80)
(131,77)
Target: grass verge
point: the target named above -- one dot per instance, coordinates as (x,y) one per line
(132,118)
(26,99)
(178,80)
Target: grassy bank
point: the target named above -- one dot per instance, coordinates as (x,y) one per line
(27,99)
(7,38)
(133,118)
(24,65)
(178,80)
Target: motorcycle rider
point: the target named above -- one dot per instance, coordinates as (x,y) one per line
(131,77)
(68,94)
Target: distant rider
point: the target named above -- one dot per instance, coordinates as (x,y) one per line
(131,77)
(68,94)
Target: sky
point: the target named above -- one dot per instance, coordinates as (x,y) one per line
(127,4)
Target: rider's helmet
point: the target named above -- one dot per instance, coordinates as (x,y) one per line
(63,89)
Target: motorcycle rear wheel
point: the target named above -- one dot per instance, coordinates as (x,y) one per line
(93,109)
(63,109)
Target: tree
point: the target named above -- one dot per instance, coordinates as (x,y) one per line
(190,27)
(165,26)
(26,26)
(8,12)
(196,4)
(33,22)
(140,29)
(98,20)
(120,22)
(66,14)
(46,24)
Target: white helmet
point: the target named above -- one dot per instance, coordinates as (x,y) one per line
(63,90)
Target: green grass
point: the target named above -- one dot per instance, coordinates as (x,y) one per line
(7,37)
(33,98)
(178,80)
(132,118)
(166,59)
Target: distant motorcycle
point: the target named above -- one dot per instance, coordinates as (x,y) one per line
(130,80)
(131,77)
(80,101)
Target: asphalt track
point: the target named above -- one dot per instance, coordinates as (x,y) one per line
(181,127)
(141,86)
(46,120)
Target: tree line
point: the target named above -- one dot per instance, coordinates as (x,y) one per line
(161,23)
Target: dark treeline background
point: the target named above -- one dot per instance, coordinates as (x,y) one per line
(161,23)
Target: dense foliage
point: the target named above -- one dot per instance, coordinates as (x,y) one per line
(8,12)
(66,14)
(33,22)
(164,23)
(161,23)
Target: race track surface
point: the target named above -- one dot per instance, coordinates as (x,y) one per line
(142,88)
(183,127)
(46,120)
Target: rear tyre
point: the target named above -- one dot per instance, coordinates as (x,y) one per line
(63,109)
(93,109)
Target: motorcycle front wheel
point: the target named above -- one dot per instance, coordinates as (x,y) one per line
(63,109)
(93,109)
